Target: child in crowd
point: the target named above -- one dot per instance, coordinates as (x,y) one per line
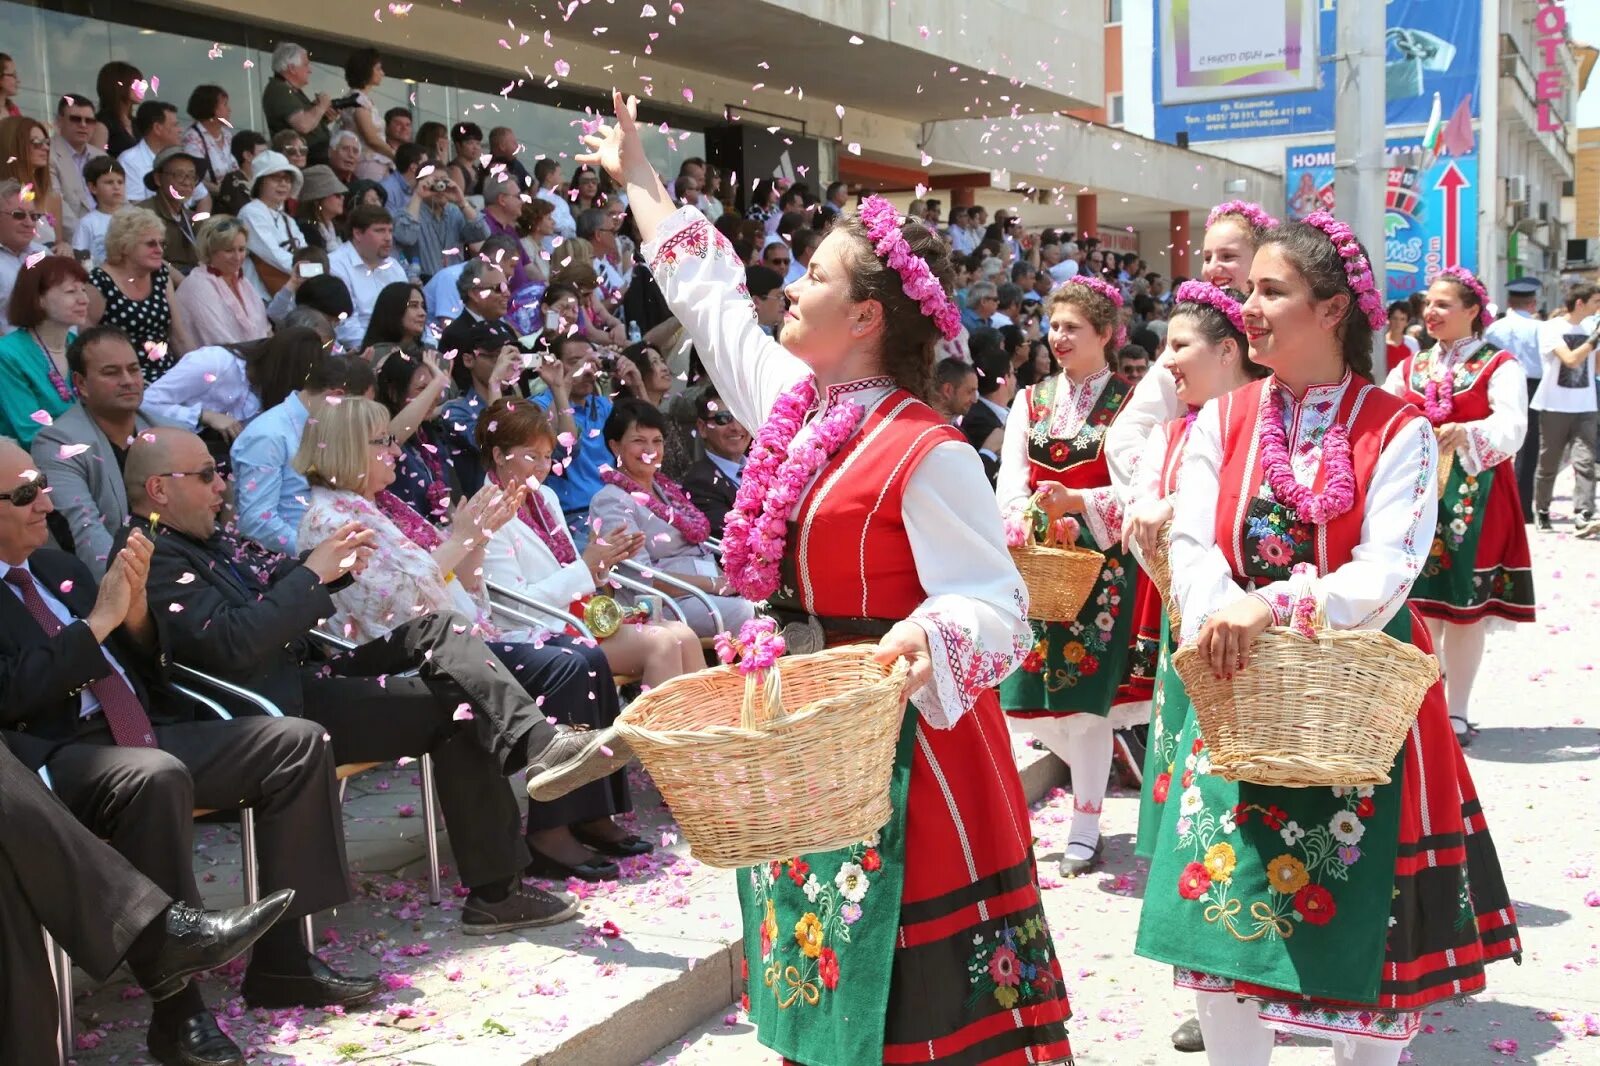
(107,183)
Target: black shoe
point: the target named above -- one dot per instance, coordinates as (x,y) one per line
(200,940)
(524,908)
(1542,522)
(1186,1037)
(195,1041)
(627,848)
(1463,730)
(573,759)
(1071,867)
(323,986)
(593,868)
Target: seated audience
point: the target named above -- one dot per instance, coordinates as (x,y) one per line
(249,621)
(274,236)
(135,291)
(643,374)
(502,210)
(223,387)
(536,227)
(83,451)
(466,167)
(409,385)
(416,570)
(533,555)
(485,369)
(63,879)
(19,244)
(638,499)
(292,147)
(172,178)
(344,157)
(485,300)
(955,388)
(579,411)
(713,480)
(72,149)
(156,127)
(233,191)
(106,180)
(985,421)
(399,183)
(317,292)
(365,266)
(1040,364)
(444,299)
(399,317)
(321,208)
(48,306)
(270,496)
(83,684)
(218,303)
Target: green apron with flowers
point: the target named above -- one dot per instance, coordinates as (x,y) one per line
(1169,707)
(1289,888)
(819,938)
(1448,574)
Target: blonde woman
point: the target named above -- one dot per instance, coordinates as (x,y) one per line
(135,291)
(217,302)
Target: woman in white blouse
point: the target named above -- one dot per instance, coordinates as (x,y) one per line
(217,301)
(535,555)
(638,498)
(274,236)
(223,387)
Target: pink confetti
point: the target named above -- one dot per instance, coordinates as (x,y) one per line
(67,451)
(562,68)
(66,586)
(42,417)
(688,94)
(463,713)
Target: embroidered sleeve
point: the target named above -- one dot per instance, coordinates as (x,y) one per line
(1395,383)
(703,282)
(1153,401)
(1102,513)
(1013,486)
(1202,579)
(975,615)
(1493,440)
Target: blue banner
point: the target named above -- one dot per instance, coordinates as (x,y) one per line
(1431,209)
(1431,46)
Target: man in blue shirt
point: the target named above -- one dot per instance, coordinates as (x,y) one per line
(270,497)
(579,412)
(1518,333)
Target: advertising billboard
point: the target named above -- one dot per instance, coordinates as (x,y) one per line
(1208,89)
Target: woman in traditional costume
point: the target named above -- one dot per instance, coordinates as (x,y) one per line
(1338,913)
(1479,573)
(927,942)
(1207,357)
(1053,458)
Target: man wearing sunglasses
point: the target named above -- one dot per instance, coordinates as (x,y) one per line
(19,232)
(83,689)
(713,481)
(70,152)
(84,451)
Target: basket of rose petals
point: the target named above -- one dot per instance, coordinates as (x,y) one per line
(1059,574)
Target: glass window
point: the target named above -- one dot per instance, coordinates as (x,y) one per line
(1114,108)
(1113,12)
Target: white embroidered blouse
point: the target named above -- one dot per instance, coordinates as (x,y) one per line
(1490,441)
(1396,531)
(975,613)
(1152,403)
(1074,403)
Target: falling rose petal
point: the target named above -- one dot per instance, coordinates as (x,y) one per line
(175,608)
(854,148)
(186,578)
(648,12)
(463,713)
(67,451)
(42,417)
(66,586)
(688,94)
(562,68)
(856,40)
(155,84)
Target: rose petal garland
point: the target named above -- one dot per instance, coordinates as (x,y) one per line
(1438,399)
(1339,490)
(882,220)
(1357,271)
(677,512)
(775,472)
(1248,210)
(1110,292)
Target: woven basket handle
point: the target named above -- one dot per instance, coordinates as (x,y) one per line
(1040,529)
(763,699)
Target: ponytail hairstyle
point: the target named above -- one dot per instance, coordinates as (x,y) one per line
(1312,252)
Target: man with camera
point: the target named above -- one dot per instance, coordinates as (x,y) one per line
(437,223)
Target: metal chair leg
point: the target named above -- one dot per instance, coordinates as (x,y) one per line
(430,823)
(252,869)
(61,964)
(310,935)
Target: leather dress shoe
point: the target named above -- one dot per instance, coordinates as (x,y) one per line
(1187,1037)
(573,759)
(195,1041)
(323,986)
(594,868)
(200,940)
(627,847)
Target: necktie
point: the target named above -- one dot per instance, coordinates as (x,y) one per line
(130,726)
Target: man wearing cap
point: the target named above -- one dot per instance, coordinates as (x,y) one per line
(173,179)
(1518,333)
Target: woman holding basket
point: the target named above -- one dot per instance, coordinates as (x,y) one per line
(1052,461)
(1479,572)
(1337,913)
(1207,358)
(927,941)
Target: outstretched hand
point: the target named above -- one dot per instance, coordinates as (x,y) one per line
(618,148)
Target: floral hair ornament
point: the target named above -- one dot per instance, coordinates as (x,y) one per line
(1356,268)
(1110,292)
(1203,292)
(1248,210)
(883,221)
(1466,277)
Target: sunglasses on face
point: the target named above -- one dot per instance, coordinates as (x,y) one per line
(78,120)
(21,215)
(720,418)
(38,142)
(206,474)
(25,494)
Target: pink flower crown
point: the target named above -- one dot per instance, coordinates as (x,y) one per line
(1470,280)
(1252,212)
(1356,268)
(1202,292)
(1110,292)
(883,222)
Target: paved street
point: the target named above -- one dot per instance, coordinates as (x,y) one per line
(651,959)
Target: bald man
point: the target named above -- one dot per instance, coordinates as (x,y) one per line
(248,618)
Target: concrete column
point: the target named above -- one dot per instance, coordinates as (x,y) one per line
(1088,215)
(1178,232)
(963,196)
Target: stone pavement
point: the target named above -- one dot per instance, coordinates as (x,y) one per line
(649,970)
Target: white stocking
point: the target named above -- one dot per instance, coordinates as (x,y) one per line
(1360,1051)
(1460,652)
(1234,1033)
(1083,742)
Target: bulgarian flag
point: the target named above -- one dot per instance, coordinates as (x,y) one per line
(1430,138)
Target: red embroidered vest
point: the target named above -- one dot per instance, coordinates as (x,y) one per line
(848,547)
(1372,417)
(1471,400)
(1177,440)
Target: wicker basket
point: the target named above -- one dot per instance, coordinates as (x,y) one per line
(1160,571)
(1059,576)
(1308,713)
(1447,460)
(748,786)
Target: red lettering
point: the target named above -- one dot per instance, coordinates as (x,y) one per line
(1551,19)
(1551,47)
(1547,85)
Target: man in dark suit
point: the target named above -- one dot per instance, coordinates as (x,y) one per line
(248,618)
(713,481)
(82,686)
(984,424)
(57,875)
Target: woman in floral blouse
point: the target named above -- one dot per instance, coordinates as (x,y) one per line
(348,455)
